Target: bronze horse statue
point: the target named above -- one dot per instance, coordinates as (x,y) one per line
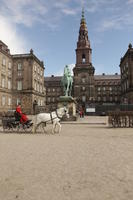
(67,81)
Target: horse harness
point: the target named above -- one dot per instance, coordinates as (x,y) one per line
(57,116)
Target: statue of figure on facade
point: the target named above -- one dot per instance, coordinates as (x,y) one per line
(67,81)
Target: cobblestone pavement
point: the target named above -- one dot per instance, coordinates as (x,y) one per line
(83,162)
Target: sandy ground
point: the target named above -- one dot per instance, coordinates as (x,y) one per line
(83,162)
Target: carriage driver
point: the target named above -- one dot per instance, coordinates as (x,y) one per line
(19,115)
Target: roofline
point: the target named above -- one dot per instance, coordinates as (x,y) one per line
(31,55)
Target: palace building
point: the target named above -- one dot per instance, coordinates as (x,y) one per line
(88,88)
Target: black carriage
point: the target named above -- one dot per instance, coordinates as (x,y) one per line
(11,123)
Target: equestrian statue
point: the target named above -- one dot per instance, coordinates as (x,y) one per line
(67,81)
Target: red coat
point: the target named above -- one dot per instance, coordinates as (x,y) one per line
(18,110)
(23,118)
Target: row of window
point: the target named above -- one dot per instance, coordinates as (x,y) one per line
(53,89)
(39,102)
(52,99)
(125,86)
(38,70)
(124,68)
(108,88)
(104,98)
(38,87)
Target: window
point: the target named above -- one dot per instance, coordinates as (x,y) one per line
(83,98)
(3,82)
(104,88)
(38,70)
(9,73)
(110,88)
(19,73)
(3,100)
(37,87)
(9,101)
(116,98)
(53,99)
(99,89)
(41,102)
(9,84)
(9,65)
(48,99)
(4,62)
(41,73)
(83,88)
(99,98)
(35,68)
(18,101)
(41,88)
(19,66)
(53,89)
(83,80)
(83,58)
(104,99)
(127,84)
(19,85)
(111,99)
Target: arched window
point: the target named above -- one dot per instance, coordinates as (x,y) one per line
(83,58)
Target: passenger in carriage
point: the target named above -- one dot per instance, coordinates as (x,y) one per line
(20,116)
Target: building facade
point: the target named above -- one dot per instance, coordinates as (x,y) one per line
(22,81)
(6,64)
(126,69)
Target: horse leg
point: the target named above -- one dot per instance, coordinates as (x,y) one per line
(54,126)
(34,129)
(43,126)
(59,125)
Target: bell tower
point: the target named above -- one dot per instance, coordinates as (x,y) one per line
(84,89)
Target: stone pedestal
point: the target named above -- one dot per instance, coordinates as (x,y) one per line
(69,102)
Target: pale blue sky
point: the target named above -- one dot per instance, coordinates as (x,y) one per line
(51,29)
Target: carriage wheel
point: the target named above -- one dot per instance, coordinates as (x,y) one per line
(29,129)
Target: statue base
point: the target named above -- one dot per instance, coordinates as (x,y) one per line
(70,103)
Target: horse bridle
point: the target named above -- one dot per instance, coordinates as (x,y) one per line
(57,114)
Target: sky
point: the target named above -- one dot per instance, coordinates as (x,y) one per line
(51,29)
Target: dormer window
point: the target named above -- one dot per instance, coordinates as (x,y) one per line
(83,58)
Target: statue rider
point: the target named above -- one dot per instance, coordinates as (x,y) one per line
(67,81)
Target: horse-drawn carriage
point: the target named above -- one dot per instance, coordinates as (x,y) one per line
(11,123)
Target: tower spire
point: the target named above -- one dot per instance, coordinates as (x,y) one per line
(83,22)
(82,12)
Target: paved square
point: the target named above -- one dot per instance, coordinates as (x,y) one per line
(82,163)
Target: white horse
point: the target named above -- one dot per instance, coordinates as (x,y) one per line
(54,117)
